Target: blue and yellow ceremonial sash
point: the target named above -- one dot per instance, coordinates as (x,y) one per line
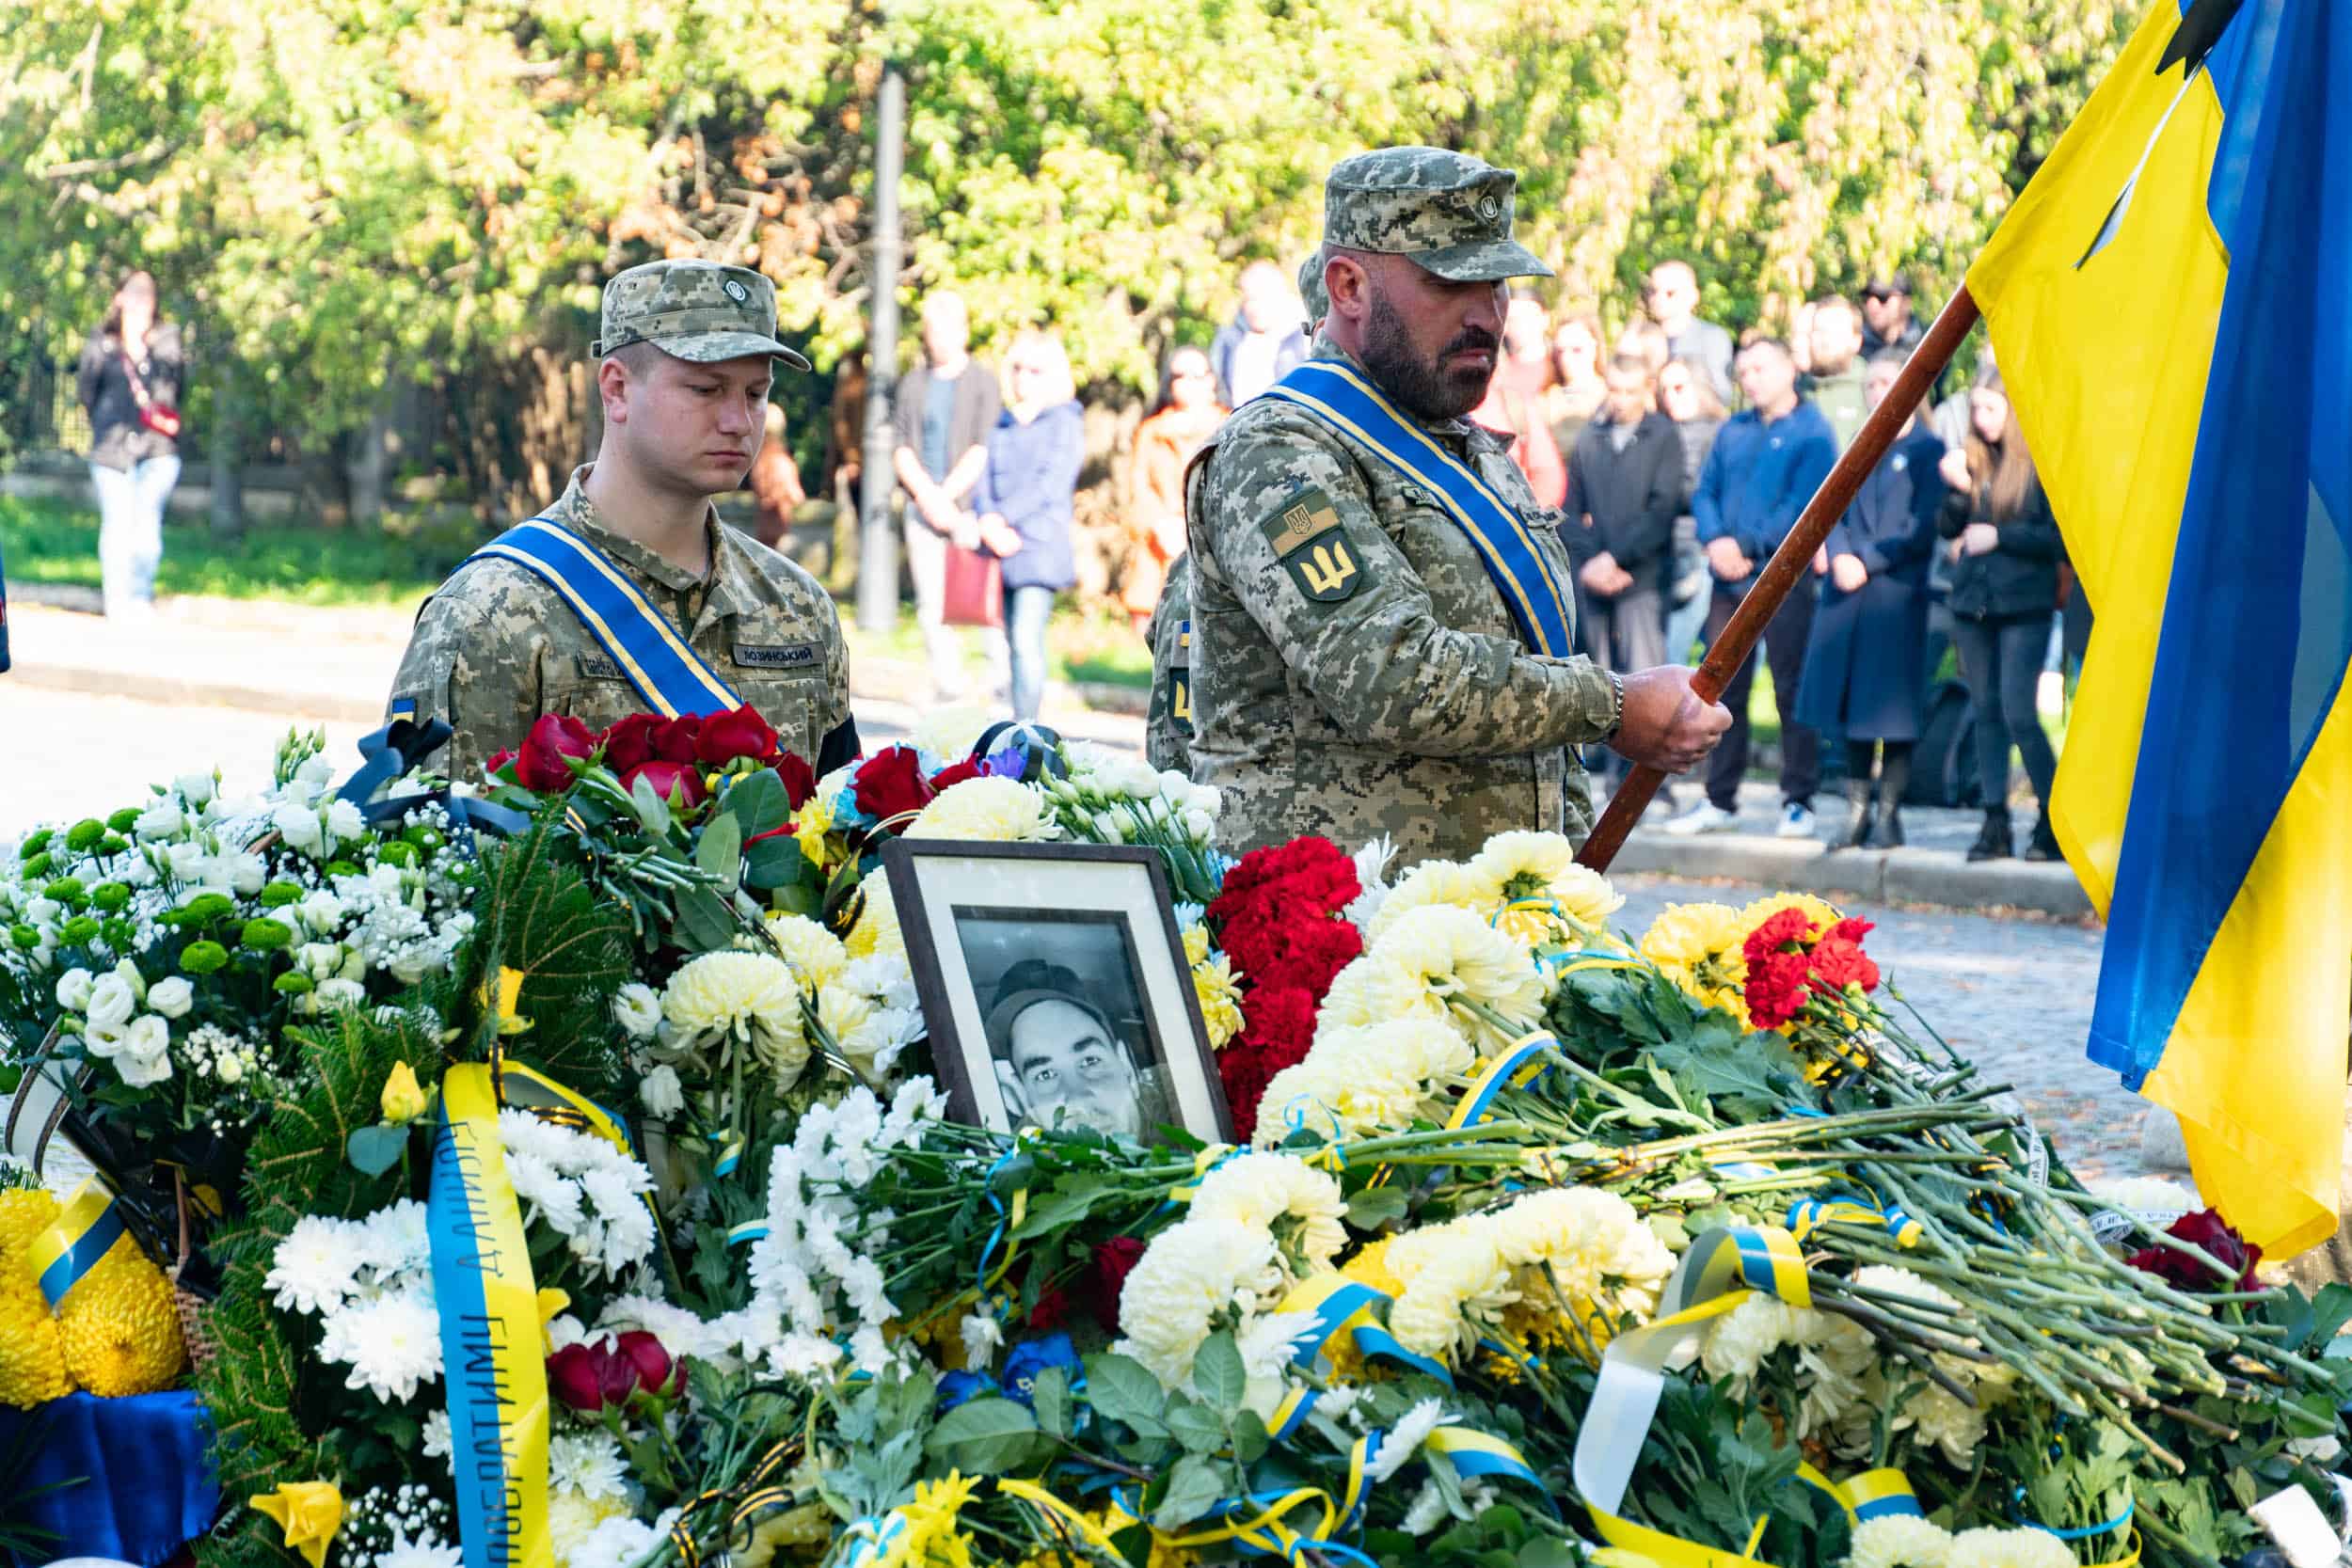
(674,680)
(493,1349)
(1339,397)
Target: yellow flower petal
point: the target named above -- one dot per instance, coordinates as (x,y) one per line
(310,1511)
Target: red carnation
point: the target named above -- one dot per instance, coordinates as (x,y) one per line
(1320,872)
(955,773)
(1051,1312)
(740,733)
(2218,1237)
(1781,930)
(891,784)
(799,780)
(629,743)
(678,783)
(1777,987)
(556,736)
(1840,961)
(1114,1261)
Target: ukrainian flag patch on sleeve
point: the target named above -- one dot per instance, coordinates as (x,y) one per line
(1314,547)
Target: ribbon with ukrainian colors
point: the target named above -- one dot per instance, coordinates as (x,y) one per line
(1336,394)
(493,1349)
(86,1225)
(1344,1307)
(1808,1214)
(1526,1061)
(674,680)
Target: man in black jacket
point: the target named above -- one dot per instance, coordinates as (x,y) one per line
(1625,487)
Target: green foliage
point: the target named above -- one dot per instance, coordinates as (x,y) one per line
(297,1165)
(53,542)
(572,949)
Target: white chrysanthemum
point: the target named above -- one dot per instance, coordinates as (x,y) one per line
(1838,1357)
(877,933)
(1945,1422)
(1593,1241)
(2008,1549)
(1384,1077)
(1428,959)
(1261,1190)
(814,954)
(393,1345)
(1541,869)
(619,1543)
(1429,883)
(855,1023)
(316,1266)
(1448,1271)
(2147,1194)
(427,1551)
(1739,1342)
(589,1463)
(983,1336)
(1903,1282)
(573,1518)
(989,809)
(660,1092)
(948,734)
(752,997)
(439,1441)
(1301,1095)
(1403,1440)
(1900,1540)
(1190,1274)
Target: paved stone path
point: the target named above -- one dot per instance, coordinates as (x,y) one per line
(2012,995)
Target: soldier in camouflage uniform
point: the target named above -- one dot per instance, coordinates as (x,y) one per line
(687,355)
(1401,698)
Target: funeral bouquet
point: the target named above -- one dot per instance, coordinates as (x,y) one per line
(567,1183)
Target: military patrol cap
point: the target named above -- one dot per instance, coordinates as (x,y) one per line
(1310,290)
(697,310)
(1447,211)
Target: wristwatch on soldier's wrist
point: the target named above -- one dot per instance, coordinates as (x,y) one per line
(1616,705)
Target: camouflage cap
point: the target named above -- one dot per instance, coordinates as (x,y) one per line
(1449,212)
(697,310)
(1310,290)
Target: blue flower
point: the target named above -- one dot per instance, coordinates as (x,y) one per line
(1030,1357)
(955,1389)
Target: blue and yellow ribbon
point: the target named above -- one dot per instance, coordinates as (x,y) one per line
(1516,1067)
(1350,1308)
(88,1224)
(1808,1214)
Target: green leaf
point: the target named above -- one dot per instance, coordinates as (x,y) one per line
(702,921)
(1742,1070)
(1251,1437)
(758,803)
(1071,1198)
(374,1150)
(1198,1428)
(1194,1486)
(719,850)
(2331,1311)
(1049,1395)
(653,812)
(775,863)
(1124,1389)
(985,1438)
(1217,1372)
(1372,1208)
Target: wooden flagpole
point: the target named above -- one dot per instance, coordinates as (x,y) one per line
(1791,562)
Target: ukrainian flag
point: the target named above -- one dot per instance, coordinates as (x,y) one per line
(2171,303)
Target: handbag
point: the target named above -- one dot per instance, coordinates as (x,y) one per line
(973,591)
(159,416)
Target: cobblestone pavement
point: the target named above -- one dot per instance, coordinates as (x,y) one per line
(2014,996)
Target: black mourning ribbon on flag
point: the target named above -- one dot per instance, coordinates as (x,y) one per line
(396,751)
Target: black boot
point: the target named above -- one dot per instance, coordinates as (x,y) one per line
(1857,830)
(1993,841)
(1888,834)
(2044,844)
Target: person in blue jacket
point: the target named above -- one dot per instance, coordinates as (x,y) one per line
(1865,674)
(1766,463)
(1023,500)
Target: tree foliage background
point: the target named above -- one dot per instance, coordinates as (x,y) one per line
(341,195)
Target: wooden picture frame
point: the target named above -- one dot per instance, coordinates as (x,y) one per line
(1054,987)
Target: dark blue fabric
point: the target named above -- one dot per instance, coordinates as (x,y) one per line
(1865,670)
(1031,475)
(1757,480)
(2258,619)
(142,1483)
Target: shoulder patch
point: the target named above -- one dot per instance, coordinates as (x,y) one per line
(1314,547)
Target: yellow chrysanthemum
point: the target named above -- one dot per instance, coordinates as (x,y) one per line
(988,810)
(118,1327)
(1432,882)
(25,1213)
(32,1357)
(810,825)
(931,1539)
(750,996)
(1196,944)
(1697,946)
(814,954)
(1430,962)
(877,929)
(1821,912)
(1541,890)
(1220,999)
(1370,1267)
(573,1515)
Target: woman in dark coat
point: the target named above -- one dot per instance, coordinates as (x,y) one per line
(1865,668)
(1025,499)
(2007,551)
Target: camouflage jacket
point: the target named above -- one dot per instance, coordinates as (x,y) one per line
(495,647)
(1381,690)
(1167,727)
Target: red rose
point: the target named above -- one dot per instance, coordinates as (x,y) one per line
(629,743)
(678,739)
(678,783)
(555,737)
(955,773)
(891,784)
(2215,1234)
(575,1377)
(1114,1261)
(499,761)
(651,1362)
(1051,1312)
(739,733)
(799,780)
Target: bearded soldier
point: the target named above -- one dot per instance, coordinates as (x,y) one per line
(626,595)
(1381,613)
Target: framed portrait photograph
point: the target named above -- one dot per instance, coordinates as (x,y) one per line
(1053,981)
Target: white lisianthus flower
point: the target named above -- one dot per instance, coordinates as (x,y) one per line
(185,862)
(112,1002)
(300,828)
(171,997)
(315,770)
(229,1069)
(340,993)
(160,820)
(344,820)
(638,1010)
(659,1092)
(322,911)
(74,989)
(196,789)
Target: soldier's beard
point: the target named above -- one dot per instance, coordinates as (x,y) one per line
(1422,387)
